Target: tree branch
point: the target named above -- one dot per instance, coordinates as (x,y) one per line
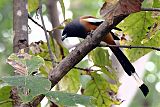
(79,68)
(45,31)
(91,42)
(150,9)
(29,17)
(87,45)
(85,69)
(125,46)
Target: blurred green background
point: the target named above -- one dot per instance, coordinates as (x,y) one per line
(6,35)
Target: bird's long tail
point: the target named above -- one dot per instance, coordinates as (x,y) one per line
(127,66)
(129,69)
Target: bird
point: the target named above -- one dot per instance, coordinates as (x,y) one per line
(82,26)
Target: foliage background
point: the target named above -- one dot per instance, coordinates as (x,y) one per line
(90,7)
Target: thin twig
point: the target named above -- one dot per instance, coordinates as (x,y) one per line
(57,27)
(40,97)
(29,17)
(79,68)
(150,9)
(85,69)
(142,9)
(126,46)
(45,31)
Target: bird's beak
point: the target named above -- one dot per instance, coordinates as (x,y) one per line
(64,37)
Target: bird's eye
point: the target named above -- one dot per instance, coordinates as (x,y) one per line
(64,33)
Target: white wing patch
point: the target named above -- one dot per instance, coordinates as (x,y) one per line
(139,81)
(93,20)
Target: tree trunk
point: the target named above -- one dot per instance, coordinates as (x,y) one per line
(20,41)
(20,25)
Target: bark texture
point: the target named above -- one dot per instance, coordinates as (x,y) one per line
(20,41)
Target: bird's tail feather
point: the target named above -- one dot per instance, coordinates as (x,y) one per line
(129,69)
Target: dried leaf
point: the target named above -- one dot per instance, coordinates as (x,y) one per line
(122,7)
(25,64)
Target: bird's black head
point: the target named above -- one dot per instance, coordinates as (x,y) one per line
(74,29)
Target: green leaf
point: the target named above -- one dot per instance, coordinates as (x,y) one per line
(111,74)
(100,57)
(70,82)
(34,63)
(33,5)
(156,3)
(69,99)
(83,64)
(147,3)
(136,26)
(45,69)
(5,100)
(29,86)
(40,48)
(84,80)
(99,88)
(59,51)
(78,7)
